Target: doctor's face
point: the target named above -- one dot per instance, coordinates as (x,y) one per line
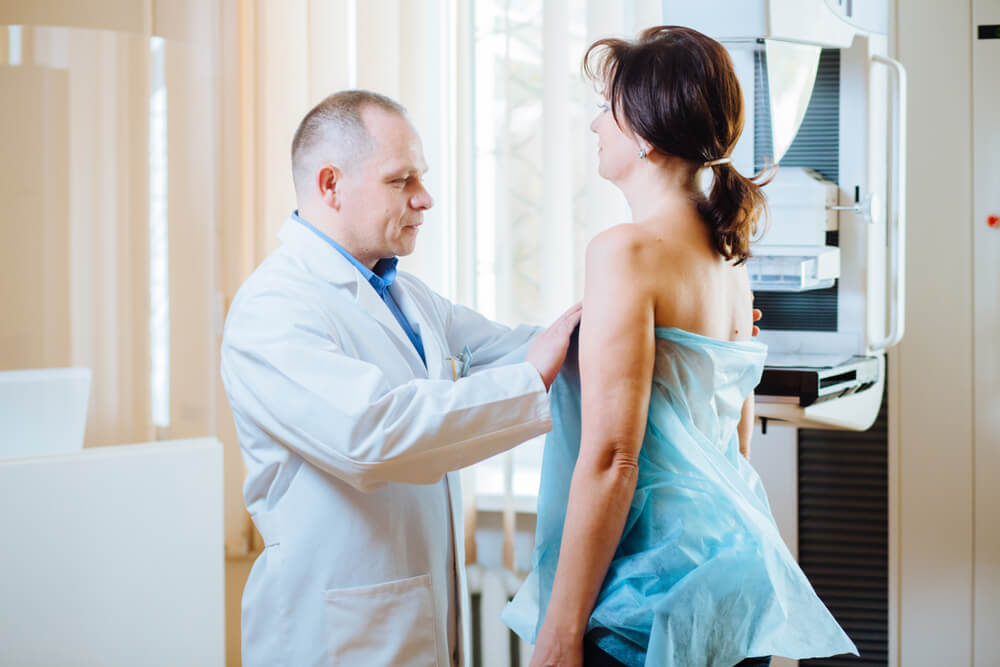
(386,198)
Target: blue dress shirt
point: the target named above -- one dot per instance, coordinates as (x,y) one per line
(383,276)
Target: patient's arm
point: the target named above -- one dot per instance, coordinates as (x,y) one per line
(616,368)
(745,428)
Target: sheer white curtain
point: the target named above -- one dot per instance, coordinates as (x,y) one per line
(73,182)
(538,198)
(303,50)
(295,53)
(146,173)
(495,90)
(116,126)
(274,62)
(101,177)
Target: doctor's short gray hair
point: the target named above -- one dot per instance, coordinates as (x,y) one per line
(334,131)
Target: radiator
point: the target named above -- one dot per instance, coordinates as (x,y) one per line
(491,588)
(493,644)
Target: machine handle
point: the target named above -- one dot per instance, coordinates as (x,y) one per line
(897,207)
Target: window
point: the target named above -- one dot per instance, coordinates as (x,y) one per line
(538,198)
(159,278)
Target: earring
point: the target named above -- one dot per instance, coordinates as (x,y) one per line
(642,153)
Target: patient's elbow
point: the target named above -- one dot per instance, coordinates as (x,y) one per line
(625,463)
(616,459)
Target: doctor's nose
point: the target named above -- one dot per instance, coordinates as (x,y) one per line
(422,200)
(593,123)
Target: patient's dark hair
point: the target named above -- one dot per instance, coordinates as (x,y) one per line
(677,90)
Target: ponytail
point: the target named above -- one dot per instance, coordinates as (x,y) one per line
(732,209)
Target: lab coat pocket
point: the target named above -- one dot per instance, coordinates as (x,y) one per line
(385,624)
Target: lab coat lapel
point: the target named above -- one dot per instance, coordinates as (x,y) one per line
(434,351)
(333,267)
(369,299)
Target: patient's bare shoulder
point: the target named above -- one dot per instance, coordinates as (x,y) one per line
(623,249)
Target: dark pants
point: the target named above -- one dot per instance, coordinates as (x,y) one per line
(595,657)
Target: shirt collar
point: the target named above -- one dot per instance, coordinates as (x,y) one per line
(385,269)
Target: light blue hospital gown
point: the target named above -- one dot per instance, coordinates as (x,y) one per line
(701,575)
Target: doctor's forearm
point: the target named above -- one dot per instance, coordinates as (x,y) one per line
(600,496)
(375,433)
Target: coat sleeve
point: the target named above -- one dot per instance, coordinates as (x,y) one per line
(288,377)
(492,344)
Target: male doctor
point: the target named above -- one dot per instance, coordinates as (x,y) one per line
(352,408)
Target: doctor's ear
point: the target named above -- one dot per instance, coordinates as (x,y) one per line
(328,181)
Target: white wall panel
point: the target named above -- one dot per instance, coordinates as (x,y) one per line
(986,286)
(113,556)
(774,456)
(932,369)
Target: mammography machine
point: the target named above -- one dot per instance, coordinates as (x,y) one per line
(827,106)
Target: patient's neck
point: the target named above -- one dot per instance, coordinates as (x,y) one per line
(658,187)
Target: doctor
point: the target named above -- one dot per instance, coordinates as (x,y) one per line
(346,384)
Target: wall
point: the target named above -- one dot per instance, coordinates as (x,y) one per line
(944,614)
(986,318)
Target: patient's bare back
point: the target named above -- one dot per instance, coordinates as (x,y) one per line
(692,286)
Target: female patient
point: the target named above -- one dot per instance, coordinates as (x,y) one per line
(666,549)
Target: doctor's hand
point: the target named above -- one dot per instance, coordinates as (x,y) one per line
(548,351)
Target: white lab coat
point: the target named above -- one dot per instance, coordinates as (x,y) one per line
(349,442)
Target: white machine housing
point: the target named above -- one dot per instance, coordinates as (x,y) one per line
(793,255)
(830,377)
